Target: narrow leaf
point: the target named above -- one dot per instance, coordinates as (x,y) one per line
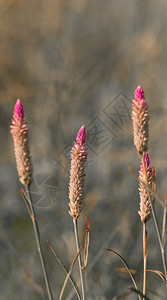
(153,186)
(128,269)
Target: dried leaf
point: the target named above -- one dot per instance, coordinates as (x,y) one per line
(158,273)
(86,245)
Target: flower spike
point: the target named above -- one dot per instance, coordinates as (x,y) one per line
(19,132)
(145,206)
(140,121)
(76,185)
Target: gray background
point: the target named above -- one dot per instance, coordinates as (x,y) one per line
(67,61)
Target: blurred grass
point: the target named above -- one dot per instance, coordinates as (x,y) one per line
(67,60)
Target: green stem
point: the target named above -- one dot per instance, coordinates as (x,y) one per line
(37,236)
(79,258)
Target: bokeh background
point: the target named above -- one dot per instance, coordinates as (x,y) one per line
(72,63)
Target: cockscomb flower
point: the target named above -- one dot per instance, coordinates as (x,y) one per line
(76,185)
(19,132)
(140,121)
(146,176)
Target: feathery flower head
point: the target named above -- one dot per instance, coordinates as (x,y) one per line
(140,121)
(81,137)
(81,142)
(76,185)
(146,176)
(19,132)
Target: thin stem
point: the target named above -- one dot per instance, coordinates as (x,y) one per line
(65,270)
(129,271)
(156,225)
(37,236)
(79,258)
(144,260)
(164,222)
(159,238)
(100,252)
(68,274)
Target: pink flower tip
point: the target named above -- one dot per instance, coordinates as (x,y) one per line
(147,163)
(18,112)
(81,137)
(88,224)
(139,93)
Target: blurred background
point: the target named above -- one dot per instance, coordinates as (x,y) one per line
(72,63)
